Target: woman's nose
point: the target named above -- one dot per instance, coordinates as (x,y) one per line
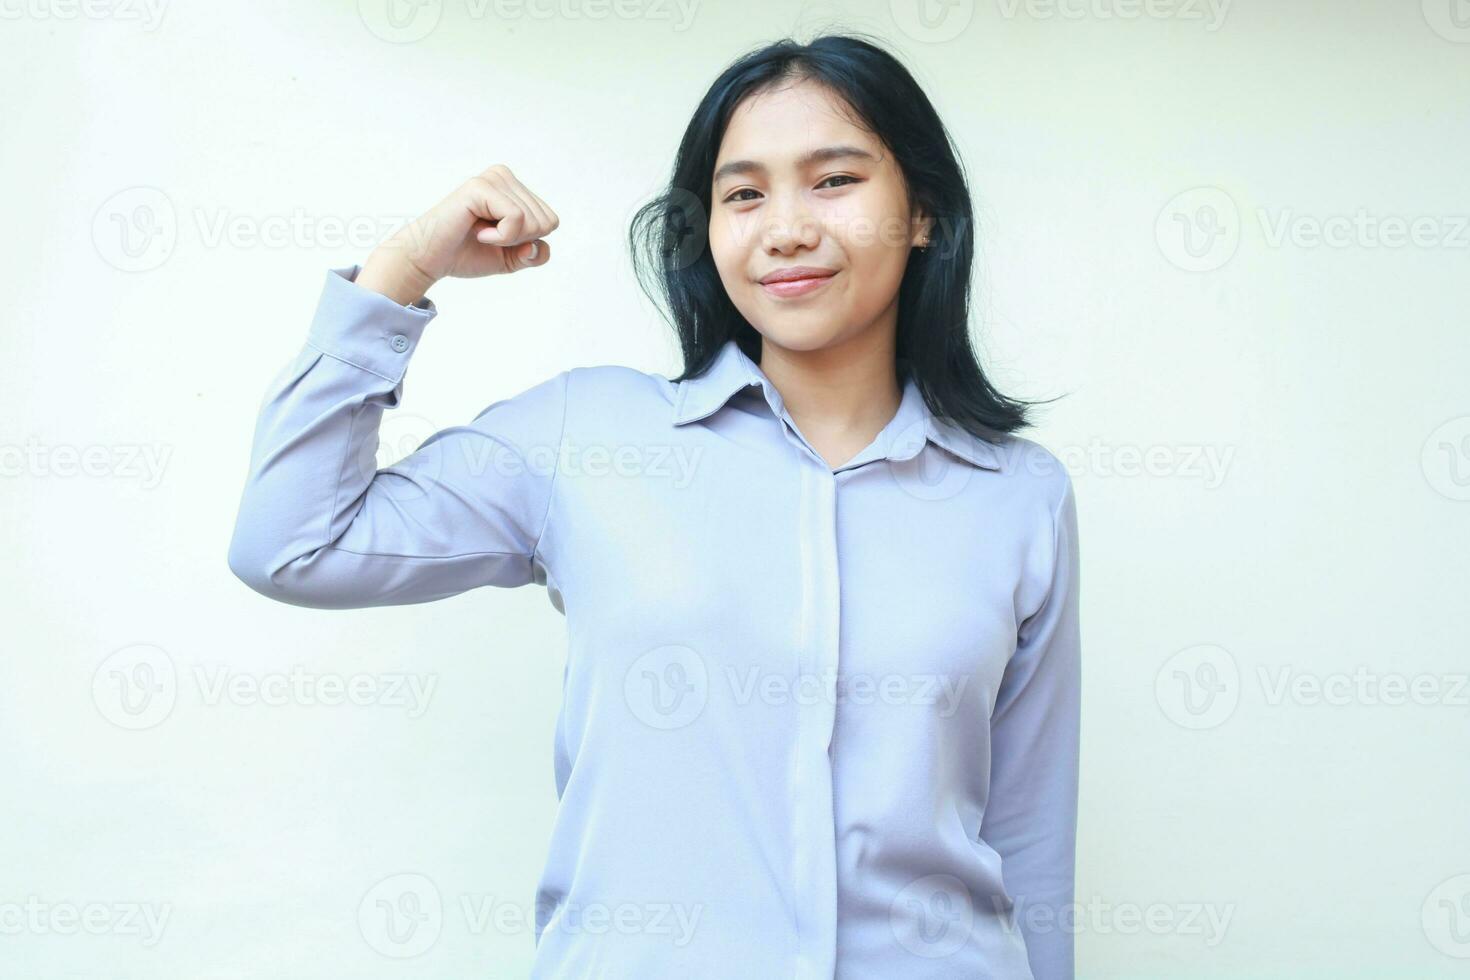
(787,223)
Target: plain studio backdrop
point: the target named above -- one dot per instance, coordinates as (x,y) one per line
(1233,234)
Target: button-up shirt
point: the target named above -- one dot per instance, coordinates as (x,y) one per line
(817,722)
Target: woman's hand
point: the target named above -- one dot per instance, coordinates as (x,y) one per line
(490,225)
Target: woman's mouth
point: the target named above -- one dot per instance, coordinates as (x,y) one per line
(787,288)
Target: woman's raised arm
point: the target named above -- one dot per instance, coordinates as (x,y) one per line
(319,524)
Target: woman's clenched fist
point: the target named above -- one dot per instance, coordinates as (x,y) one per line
(490,225)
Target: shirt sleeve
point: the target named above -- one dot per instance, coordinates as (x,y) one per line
(320,525)
(1030,816)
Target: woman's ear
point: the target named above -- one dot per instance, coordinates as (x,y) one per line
(923,231)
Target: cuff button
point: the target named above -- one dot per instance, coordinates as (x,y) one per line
(400,343)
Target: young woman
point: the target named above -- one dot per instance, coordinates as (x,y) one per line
(821,699)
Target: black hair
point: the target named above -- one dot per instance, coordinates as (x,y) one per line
(668,235)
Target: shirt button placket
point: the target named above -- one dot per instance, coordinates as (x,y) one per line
(817,660)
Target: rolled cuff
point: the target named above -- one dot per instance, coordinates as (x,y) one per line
(365,328)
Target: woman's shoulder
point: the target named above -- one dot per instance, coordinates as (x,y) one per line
(618,394)
(1032,468)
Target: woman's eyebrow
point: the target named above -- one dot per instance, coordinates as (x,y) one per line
(821,155)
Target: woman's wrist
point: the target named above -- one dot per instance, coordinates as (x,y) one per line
(390,273)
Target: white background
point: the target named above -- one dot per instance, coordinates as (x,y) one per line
(1286,544)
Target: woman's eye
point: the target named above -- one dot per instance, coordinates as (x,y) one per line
(735,197)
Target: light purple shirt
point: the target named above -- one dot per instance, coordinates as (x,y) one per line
(816,723)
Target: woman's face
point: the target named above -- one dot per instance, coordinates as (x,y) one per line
(797,184)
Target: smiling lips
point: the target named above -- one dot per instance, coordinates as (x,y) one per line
(796,281)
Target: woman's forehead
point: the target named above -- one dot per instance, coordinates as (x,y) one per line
(806,107)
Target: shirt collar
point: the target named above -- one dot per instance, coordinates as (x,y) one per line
(733,371)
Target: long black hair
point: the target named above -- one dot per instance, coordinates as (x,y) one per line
(668,235)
